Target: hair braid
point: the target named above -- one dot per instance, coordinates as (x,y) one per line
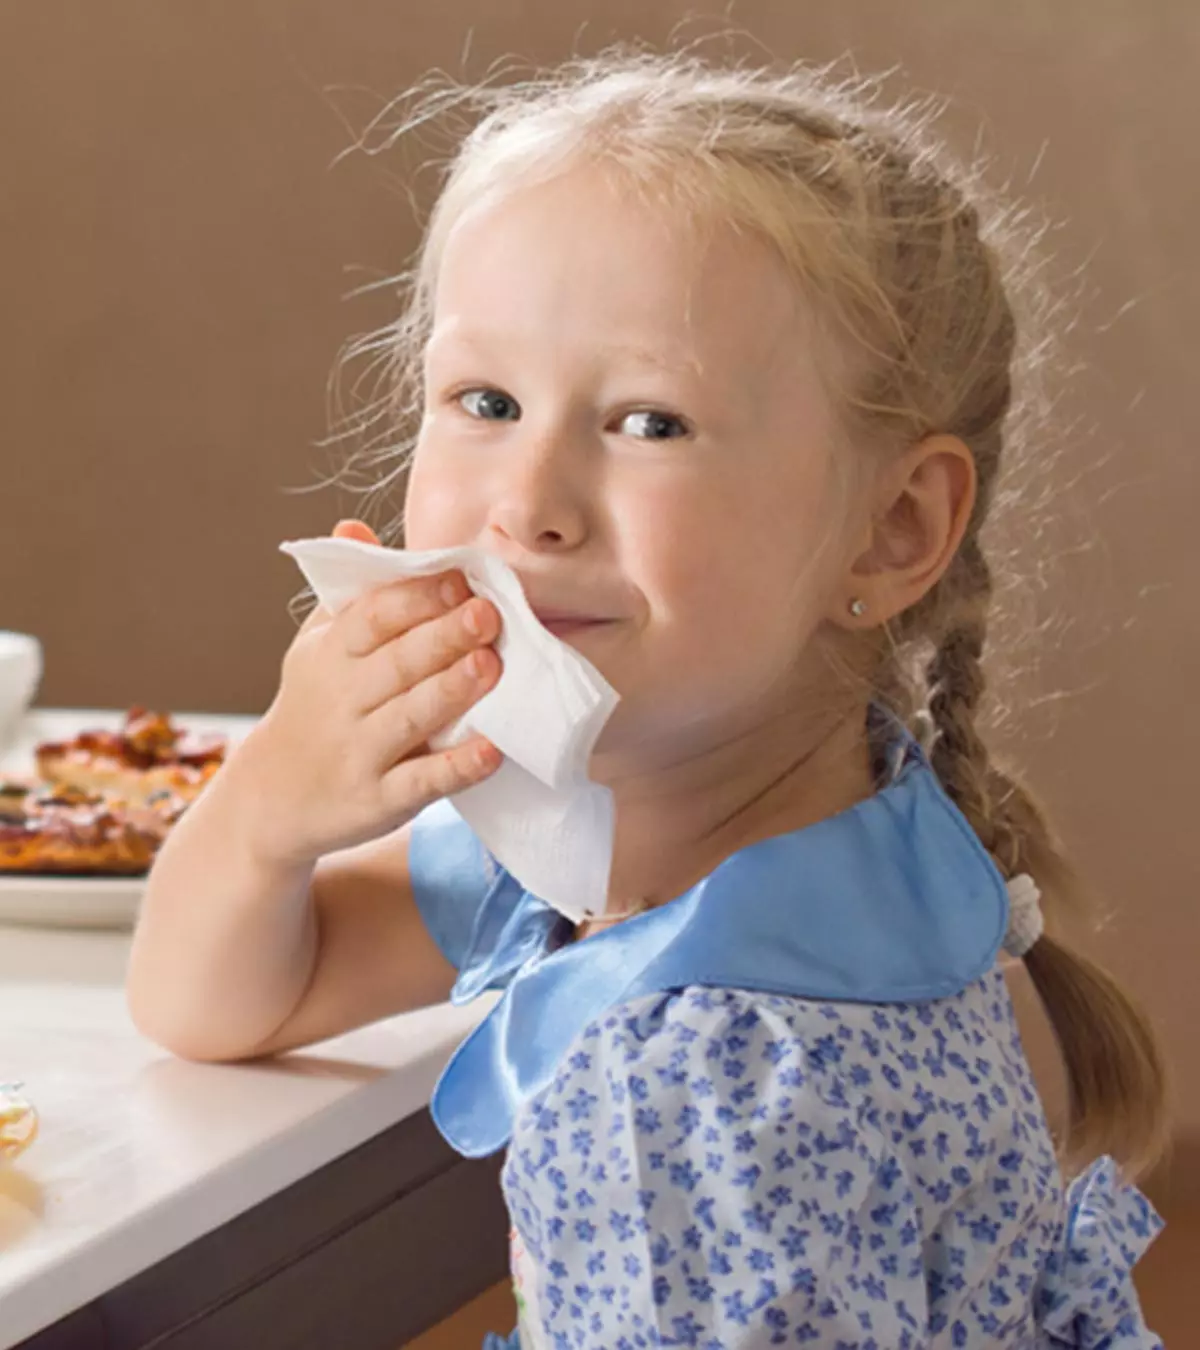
(957,685)
(1115,1075)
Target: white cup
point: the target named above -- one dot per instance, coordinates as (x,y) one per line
(20,674)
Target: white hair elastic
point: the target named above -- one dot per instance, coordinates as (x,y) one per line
(1025,922)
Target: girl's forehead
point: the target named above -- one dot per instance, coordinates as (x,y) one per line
(581,254)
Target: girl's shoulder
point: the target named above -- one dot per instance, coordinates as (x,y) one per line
(934,1099)
(960,1055)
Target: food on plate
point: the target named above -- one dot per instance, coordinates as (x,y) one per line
(13,792)
(103,802)
(66,830)
(147,756)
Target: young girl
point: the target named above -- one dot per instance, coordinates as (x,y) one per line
(720,364)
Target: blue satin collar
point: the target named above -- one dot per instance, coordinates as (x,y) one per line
(892,901)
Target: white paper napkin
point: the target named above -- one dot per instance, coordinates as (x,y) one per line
(538,815)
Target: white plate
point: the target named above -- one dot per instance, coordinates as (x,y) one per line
(70,902)
(81,902)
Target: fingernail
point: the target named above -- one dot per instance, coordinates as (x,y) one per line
(471,621)
(476,665)
(449,592)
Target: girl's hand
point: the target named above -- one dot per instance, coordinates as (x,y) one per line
(342,755)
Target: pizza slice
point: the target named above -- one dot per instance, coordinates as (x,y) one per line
(66,830)
(147,757)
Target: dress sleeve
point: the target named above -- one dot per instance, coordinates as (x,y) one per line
(1087,1297)
(486,925)
(451,876)
(717,1187)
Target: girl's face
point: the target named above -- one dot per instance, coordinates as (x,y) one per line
(627,411)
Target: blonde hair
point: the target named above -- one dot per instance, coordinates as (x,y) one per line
(904,262)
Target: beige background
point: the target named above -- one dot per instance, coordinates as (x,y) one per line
(176,246)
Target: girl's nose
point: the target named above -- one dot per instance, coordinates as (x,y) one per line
(540,501)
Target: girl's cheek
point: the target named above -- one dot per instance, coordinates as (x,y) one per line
(438,507)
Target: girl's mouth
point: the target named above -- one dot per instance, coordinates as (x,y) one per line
(564,625)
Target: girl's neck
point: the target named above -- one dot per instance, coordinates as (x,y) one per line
(677,823)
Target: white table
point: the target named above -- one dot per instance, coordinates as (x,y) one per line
(141,1154)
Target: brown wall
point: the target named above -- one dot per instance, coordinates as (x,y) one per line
(174,251)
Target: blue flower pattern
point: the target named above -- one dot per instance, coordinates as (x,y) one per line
(724,1170)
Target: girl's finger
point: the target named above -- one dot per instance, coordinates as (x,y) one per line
(419,654)
(355,529)
(419,782)
(401,726)
(388,611)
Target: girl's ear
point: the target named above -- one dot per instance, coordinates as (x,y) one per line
(923,504)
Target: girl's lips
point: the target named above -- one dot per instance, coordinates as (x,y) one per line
(565,625)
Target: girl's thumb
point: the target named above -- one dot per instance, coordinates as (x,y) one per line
(355,529)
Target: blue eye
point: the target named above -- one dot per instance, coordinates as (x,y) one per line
(490,405)
(653,426)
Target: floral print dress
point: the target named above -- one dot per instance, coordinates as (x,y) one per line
(726,1170)
(788,1108)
